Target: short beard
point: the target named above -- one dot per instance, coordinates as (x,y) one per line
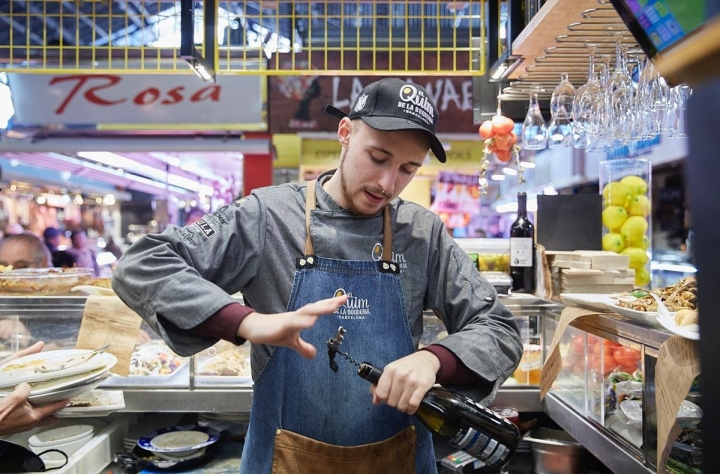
(343,183)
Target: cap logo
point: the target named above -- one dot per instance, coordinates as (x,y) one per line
(423,109)
(361,102)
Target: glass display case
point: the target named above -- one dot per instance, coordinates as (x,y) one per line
(605,393)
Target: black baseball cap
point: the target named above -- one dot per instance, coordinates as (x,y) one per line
(393,104)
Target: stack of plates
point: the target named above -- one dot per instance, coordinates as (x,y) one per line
(179,443)
(53,376)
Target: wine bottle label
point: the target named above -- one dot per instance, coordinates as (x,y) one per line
(521,252)
(481,446)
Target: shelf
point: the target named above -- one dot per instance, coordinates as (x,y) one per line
(237,400)
(595,439)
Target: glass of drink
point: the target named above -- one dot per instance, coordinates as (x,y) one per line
(511,414)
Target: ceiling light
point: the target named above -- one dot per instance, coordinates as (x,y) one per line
(527,164)
(510,171)
(498,177)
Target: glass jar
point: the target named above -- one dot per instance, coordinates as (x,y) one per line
(626,186)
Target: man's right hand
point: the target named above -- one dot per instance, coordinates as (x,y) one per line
(18,415)
(283,329)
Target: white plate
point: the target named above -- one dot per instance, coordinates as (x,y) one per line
(594,301)
(102,403)
(65,392)
(53,385)
(645,317)
(23,369)
(691,331)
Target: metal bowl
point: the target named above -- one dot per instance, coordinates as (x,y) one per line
(556,452)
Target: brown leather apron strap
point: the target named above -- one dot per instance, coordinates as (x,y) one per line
(310,206)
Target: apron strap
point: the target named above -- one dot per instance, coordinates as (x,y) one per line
(387,235)
(310,206)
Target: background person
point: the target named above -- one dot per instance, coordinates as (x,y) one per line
(82,253)
(24,251)
(289,249)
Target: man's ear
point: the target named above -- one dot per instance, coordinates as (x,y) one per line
(344,130)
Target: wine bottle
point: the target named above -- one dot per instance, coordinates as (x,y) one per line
(522,250)
(460,422)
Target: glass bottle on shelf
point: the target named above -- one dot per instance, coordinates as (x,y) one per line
(522,250)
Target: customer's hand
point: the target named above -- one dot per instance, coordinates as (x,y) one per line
(34,349)
(283,329)
(16,412)
(18,415)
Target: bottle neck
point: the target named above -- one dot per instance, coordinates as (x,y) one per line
(522,205)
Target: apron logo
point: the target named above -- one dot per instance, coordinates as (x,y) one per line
(205,227)
(398,258)
(354,308)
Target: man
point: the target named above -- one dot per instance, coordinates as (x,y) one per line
(52,238)
(83,255)
(16,412)
(289,249)
(24,251)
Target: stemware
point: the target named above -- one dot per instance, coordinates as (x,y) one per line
(534,128)
(683,93)
(582,101)
(620,96)
(560,131)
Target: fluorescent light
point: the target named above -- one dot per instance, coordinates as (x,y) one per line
(183,182)
(512,206)
(123,163)
(527,164)
(497,177)
(510,171)
(500,71)
(206,190)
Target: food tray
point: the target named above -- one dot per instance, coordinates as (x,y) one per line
(42,281)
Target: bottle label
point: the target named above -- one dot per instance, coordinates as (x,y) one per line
(521,252)
(481,446)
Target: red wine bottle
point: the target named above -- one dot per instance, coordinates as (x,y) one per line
(522,250)
(465,425)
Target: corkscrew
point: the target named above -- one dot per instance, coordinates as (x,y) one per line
(365,369)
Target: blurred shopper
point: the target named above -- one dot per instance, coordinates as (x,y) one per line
(24,251)
(52,238)
(84,255)
(194,215)
(14,229)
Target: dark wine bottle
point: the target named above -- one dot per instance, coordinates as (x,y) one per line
(460,422)
(522,250)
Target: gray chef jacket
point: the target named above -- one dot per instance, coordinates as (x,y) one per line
(178,279)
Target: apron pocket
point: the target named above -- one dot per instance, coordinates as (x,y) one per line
(295,454)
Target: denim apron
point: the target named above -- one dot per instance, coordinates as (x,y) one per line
(307,419)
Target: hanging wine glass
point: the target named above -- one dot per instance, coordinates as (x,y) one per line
(598,124)
(648,88)
(683,95)
(534,128)
(560,131)
(620,96)
(581,104)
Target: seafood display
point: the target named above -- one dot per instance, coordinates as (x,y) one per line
(680,296)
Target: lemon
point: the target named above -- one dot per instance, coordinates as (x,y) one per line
(643,243)
(635,184)
(634,228)
(642,277)
(639,206)
(638,257)
(616,194)
(613,242)
(613,217)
